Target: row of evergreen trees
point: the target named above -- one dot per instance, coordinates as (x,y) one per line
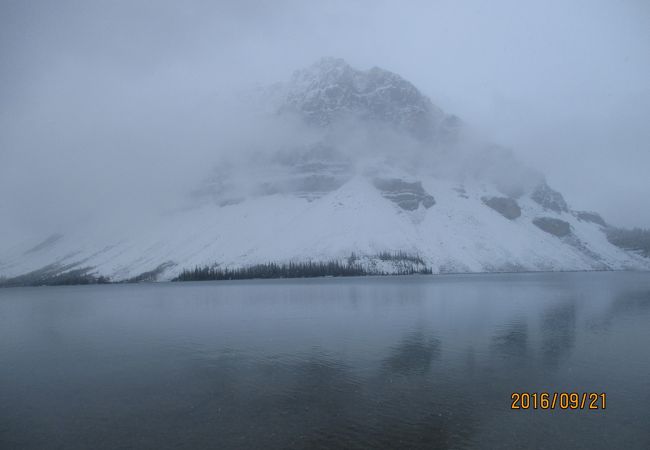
(401,256)
(38,278)
(272,270)
(290,270)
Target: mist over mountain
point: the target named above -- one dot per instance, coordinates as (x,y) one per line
(331,90)
(344,166)
(355,122)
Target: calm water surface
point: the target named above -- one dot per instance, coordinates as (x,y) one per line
(413,362)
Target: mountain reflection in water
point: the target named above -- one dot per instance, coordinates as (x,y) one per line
(398,362)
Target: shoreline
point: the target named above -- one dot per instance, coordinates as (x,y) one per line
(369,275)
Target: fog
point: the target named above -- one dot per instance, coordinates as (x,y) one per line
(119,108)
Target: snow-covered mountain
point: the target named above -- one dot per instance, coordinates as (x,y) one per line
(383,171)
(331,89)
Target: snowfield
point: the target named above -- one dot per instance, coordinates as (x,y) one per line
(457,234)
(383,170)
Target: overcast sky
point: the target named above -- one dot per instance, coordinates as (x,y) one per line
(88,85)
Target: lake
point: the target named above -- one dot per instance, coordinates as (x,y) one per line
(379,362)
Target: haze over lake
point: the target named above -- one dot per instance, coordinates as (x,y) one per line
(393,362)
(239,224)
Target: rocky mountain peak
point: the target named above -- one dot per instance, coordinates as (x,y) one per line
(331,89)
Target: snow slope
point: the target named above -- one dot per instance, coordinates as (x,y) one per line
(329,199)
(457,234)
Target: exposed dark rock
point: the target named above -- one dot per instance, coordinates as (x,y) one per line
(151,275)
(505,206)
(331,89)
(55,275)
(548,198)
(637,239)
(553,226)
(428,201)
(50,241)
(589,216)
(408,196)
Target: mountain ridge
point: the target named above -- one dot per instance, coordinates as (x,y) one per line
(384,171)
(330,88)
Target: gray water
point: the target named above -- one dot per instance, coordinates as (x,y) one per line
(396,362)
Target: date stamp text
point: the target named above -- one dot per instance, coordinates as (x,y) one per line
(559,400)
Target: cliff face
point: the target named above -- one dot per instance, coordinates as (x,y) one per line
(331,90)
